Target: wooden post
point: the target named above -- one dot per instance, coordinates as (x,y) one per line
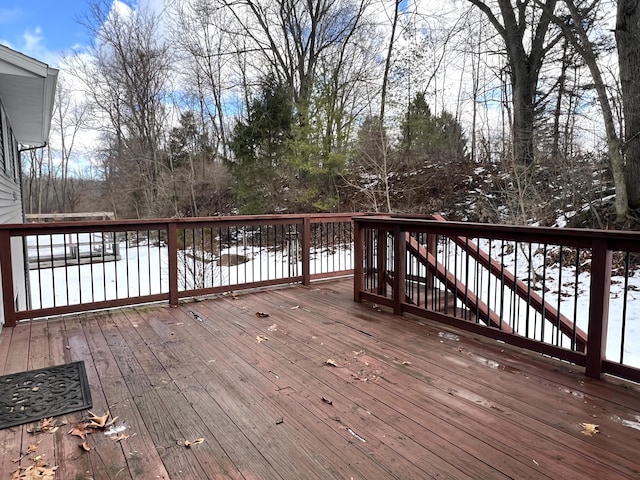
(432,248)
(381,256)
(358,260)
(172,237)
(7,279)
(598,308)
(399,268)
(306,250)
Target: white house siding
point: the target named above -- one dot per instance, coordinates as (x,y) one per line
(11,210)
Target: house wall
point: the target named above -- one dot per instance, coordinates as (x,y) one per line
(11,210)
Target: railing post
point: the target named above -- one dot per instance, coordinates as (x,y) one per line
(358,261)
(306,250)
(399,268)
(6,266)
(432,248)
(598,307)
(172,237)
(381,256)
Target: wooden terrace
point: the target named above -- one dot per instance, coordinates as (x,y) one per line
(406,399)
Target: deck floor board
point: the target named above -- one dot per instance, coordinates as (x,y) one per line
(406,399)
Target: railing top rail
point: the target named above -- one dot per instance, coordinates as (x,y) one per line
(567,236)
(155,223)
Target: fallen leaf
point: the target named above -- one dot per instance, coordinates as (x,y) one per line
(406,363)
(262,314)
(328,401)
(118,438)
(261,338)
(589,429)
(358,353)
(295,307)
(34,446)
(331,362)
(279,421)
(33,472)
(85,446)
(273,327)
(80,430)
(97,421)
(101,422)
(46,425)
(190,444)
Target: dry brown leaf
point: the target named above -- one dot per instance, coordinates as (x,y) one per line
(80,430)
(34,446)
(190,444)
(261,338)
(331,362)
(46,424)
(101,422)
(97,421)
(85,446)
(33,472)
(111,422)
(118,438)
(262,314)
(589,429)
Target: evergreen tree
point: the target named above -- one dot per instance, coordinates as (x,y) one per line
(432,164)
(260,145)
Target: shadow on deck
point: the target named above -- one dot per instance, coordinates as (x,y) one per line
(406,399)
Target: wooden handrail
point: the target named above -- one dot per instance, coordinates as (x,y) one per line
(169,227)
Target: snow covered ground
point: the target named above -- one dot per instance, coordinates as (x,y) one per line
(144,270)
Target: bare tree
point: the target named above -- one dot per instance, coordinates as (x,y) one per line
(126,75)
(292,37)
(71,116)
(200,28)
(574,27)
(524,29)
(628,41)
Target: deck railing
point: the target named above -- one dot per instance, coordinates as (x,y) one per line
(80,266)
(566,293)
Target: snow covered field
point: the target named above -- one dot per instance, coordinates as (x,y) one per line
(144,270)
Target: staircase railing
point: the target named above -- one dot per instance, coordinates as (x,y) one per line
(544,289)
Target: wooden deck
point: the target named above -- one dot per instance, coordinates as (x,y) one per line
(406,399)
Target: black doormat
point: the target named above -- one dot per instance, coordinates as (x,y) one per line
(46,392)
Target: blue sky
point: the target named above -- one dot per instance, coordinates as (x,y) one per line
(42,28)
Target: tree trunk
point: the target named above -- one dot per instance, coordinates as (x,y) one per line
(579,38)
(628,42)
(523,116)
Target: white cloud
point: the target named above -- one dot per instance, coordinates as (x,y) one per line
(33,45)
